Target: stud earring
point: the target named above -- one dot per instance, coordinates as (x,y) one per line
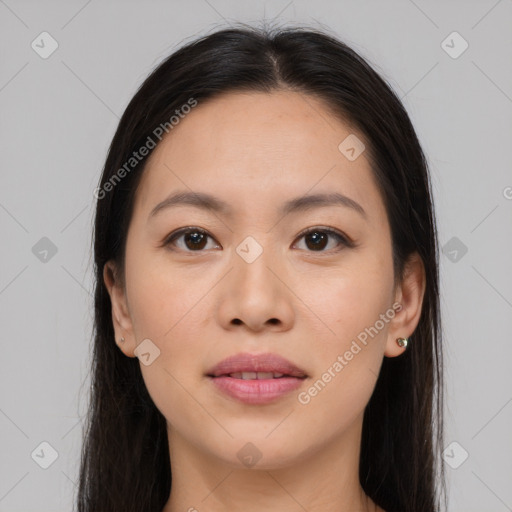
(402,342)
(121,340)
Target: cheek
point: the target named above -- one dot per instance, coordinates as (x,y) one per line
(336,399)
(348,361)
(166,309)
(350,298)
(160,297)
(350,302)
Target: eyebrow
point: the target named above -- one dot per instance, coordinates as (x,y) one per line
(206,201)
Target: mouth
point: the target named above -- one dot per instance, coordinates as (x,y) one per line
(255,375)
(256,367)
(256,379)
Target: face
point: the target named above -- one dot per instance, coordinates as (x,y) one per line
(311,283)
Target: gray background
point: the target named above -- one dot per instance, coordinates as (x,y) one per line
(58,116)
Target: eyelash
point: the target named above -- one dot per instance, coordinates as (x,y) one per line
(342,239)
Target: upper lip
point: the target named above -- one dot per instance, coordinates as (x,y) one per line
(245,362)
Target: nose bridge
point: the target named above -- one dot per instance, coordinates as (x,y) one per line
(251,261)
(252,293)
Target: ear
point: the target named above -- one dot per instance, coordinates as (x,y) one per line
(409,294)
(120,314)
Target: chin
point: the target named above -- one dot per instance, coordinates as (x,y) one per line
(257,452)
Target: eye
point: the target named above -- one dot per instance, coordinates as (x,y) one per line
(317,239)
(193,239)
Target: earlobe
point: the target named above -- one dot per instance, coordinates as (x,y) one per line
(120,315)
(409,295)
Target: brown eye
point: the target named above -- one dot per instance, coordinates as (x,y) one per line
(317,239)
(195,240)
(192,239)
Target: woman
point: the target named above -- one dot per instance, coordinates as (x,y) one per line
(267,328)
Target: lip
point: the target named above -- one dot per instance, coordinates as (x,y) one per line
(256,391)
(245,362)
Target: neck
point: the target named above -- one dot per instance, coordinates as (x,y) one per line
(321,481)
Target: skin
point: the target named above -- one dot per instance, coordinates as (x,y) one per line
(255,151)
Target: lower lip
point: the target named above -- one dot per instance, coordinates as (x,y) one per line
(257,391)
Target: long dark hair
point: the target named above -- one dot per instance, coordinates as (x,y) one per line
(125,462)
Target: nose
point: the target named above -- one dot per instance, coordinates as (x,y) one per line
(255,295)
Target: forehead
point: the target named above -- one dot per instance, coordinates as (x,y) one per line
(253,147)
